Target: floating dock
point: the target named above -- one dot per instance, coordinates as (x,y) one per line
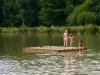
(49,49)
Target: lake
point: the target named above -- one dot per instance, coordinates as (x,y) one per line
(14,62)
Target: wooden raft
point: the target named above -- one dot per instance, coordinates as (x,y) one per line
(49,49)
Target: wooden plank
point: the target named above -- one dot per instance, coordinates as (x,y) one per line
(49,49)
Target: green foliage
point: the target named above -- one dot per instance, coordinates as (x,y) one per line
(42,29)
(84,29)
(85,18)
(34,13)
(78,10)
(10,30)
(17,12)
(1,13)
(84,14)
(52,12)
(77,29)
(90,28)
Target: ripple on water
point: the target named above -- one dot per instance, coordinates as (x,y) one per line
(50,64)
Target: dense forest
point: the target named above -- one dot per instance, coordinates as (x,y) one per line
(32,13)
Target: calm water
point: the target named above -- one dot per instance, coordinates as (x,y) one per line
(14,62)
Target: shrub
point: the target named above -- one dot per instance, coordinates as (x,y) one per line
(90,28)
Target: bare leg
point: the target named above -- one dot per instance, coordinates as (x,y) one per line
(66,43)
(81,50)
(71,44)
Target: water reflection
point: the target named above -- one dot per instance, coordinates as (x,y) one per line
(13,62)
(71,63)
(76,64)
(68,60)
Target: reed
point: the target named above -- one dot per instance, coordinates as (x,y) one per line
(84,29)
(10,30)
(90,28)
(42,29)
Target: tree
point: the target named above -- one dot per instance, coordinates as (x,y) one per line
(86,18)
(18,12)
(9,12)
(28,12)
(52,12)
(1,12)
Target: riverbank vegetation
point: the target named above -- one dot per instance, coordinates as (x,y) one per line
(49,15)
(83,29)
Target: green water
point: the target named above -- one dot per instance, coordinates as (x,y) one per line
(14,62)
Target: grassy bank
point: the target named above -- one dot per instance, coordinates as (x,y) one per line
(84,29)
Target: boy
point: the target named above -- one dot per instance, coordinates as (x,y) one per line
(81,46)
(71,37)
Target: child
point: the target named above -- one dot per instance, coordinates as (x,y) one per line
(65,38)
(71,37)
(81,46)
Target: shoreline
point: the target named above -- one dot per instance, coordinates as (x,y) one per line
(82,29)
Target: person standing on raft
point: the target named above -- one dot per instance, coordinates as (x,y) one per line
(65,38)
(71,37)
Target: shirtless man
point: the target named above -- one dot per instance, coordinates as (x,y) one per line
(65,38)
